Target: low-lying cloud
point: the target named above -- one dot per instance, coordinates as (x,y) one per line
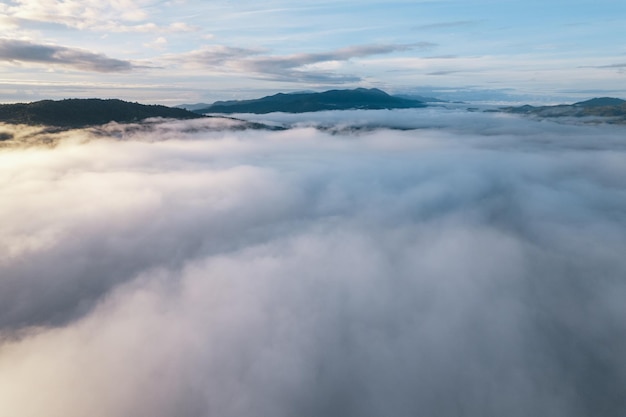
(472,265)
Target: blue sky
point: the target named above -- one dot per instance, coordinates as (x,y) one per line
(179,51)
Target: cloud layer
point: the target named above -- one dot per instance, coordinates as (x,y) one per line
(470,266)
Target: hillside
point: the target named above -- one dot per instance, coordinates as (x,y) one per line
(611,110)
(601,102)
(85,112)
(360,98)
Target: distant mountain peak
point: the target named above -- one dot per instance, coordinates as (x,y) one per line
(601,102)
(608,109)
(358,98)
(373,90)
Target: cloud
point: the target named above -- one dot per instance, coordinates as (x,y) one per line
(471,265)
(444,72)
(79,14)
(116,16)
(619,66)
(159,43)
(150,27)
(215,56)
(291,68)
(24,51)
(587,92)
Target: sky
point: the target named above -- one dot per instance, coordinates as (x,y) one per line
(173,52)
(471,265)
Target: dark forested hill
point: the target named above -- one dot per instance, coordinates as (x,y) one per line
(85,112)
(601,102)
(612,110)
(360,98)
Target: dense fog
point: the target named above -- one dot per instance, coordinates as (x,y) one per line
(426,262)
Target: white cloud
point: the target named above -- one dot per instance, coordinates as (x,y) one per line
(159,43)
(78,14)
(114,16)
(474,263)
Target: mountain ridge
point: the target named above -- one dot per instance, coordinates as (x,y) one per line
(601,102)
(359,98)
(611,109)
(76,113)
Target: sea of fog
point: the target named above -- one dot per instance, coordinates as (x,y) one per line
(427,262)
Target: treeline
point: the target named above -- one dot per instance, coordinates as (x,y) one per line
(86,112)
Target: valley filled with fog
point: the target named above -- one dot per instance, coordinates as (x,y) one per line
(417,262)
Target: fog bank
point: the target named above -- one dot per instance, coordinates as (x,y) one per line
(471,265)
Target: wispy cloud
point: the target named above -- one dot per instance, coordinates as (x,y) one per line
(214,56)
(619,68)
(18,51)
(620,65)
(444,72)
(303,67)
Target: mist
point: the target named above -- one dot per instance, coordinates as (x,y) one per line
(428,262)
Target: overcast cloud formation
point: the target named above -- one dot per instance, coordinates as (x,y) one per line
(471,267)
